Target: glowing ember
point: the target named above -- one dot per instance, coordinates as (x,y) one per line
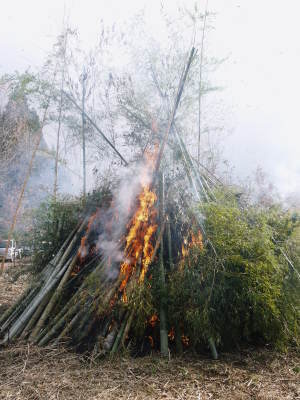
(151,341)
(171,334)
(185,340)
(153,320)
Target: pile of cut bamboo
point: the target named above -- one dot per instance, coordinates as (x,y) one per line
(65,304)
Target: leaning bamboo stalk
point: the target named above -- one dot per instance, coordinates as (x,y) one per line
(67,312)
(18,311)
(190,167)
(53,299)
(110,338)
(12,309)
(58,326)
(48,270)
(55,320)
(52,264)
(69,248)
(34,318)
(85,325)
(175,106)
(69,326)
(127,328)
(187,168)
(73,302)
(213,349)
(28,312)
(119,335)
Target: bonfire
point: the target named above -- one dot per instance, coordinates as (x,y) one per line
(82,296)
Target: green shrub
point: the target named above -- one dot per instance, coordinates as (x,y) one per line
(52,223)
(248,294)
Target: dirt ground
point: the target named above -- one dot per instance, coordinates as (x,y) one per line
(29,372)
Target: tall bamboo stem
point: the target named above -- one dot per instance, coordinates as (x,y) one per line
(162,315)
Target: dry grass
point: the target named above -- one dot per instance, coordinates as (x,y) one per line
(29,372)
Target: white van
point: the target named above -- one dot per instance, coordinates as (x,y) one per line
(12,253)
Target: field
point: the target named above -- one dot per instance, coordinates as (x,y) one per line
(29,372)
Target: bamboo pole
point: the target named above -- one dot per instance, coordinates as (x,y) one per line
(162,315)
(16,304)
(53,299)
(213,349)
(115,346)
(19,325)
(58,326)
(110,338)
(70,308)
(69,326)
(55,320)
(19,309)
(175,106)
(34,318)
(127,328)
(169,243)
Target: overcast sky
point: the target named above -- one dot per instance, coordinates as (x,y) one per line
(261,39)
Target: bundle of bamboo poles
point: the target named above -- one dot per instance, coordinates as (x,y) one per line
(63,305)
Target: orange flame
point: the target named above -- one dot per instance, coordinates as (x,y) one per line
(138,241)
(138,249)
(185,340)
(151,341)
(82,252)
(171,334)
(196,241)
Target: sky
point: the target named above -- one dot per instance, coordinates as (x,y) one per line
(260,77)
